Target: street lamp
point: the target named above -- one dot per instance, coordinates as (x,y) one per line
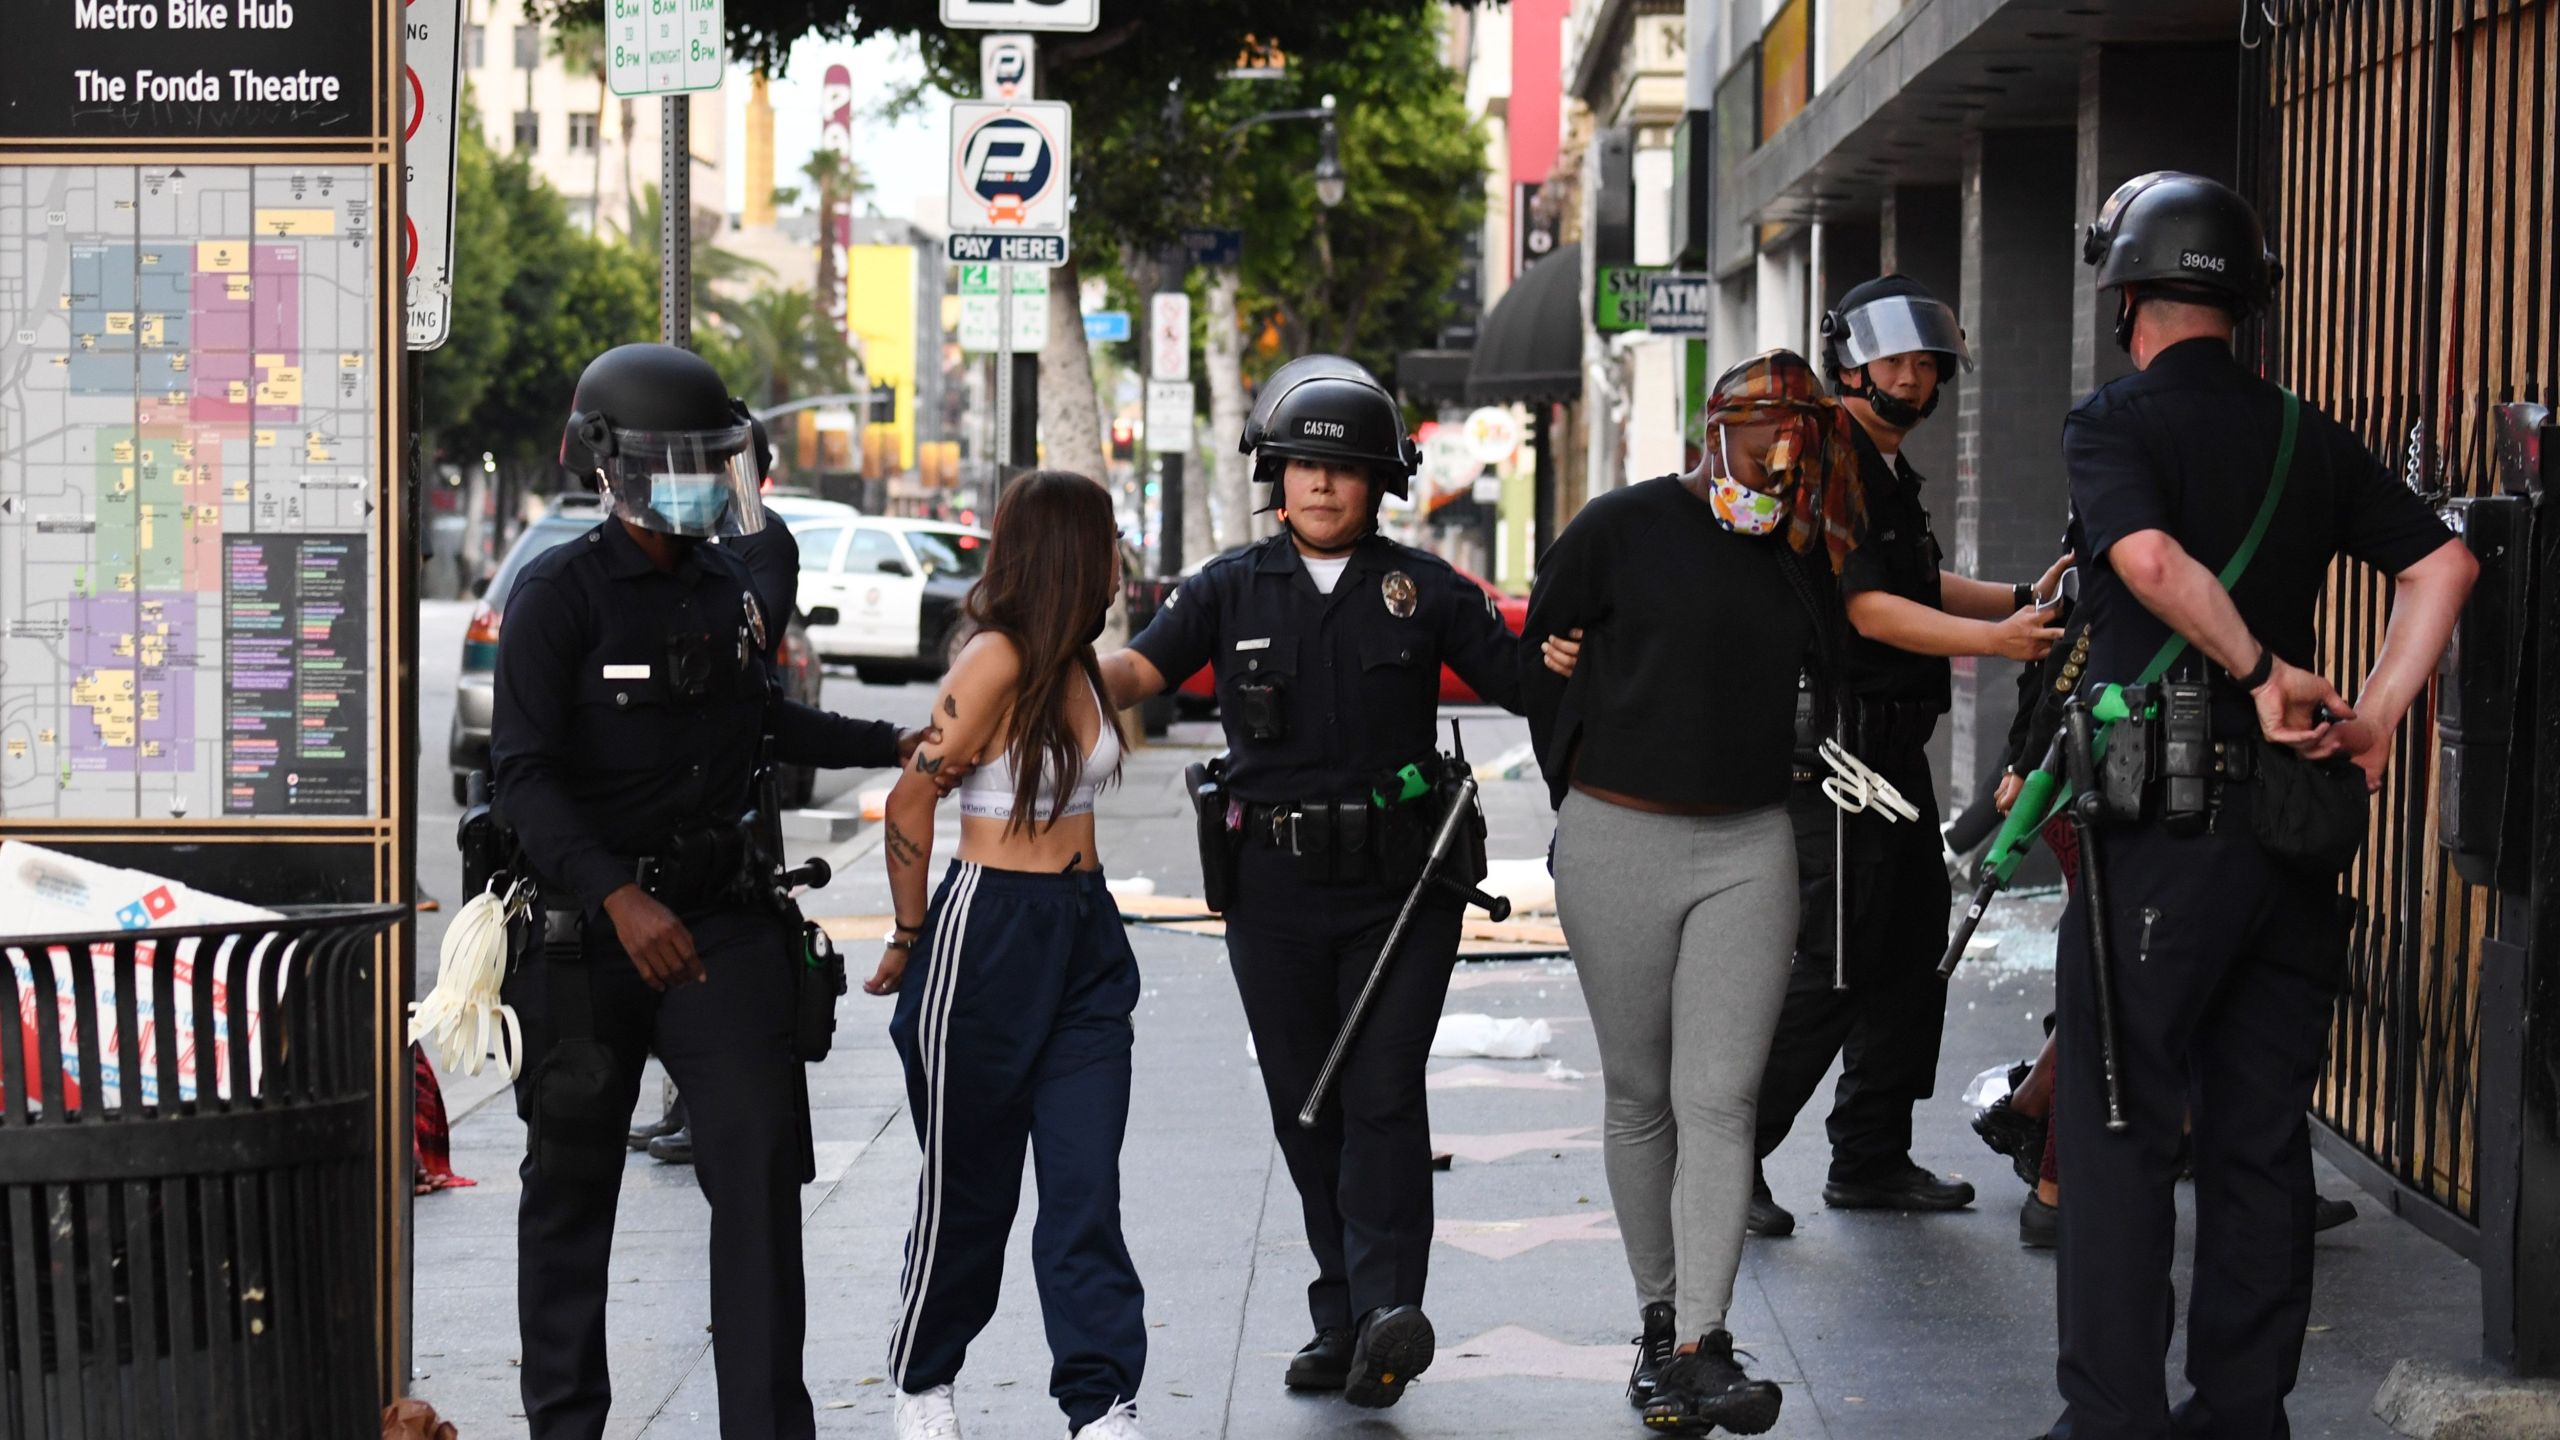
(1330,183)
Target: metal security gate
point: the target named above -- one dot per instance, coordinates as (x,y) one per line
(2403,153)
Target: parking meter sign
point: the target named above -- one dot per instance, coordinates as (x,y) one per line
(1009,167)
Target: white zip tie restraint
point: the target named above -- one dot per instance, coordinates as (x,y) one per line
(463,1018)
(1855,788)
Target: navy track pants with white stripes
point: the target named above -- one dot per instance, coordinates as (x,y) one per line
(1013,1021)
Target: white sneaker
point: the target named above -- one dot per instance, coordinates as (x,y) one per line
(1120,1422)
(927,1415)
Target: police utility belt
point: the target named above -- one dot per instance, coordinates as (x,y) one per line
(2163,765)
(1383,838)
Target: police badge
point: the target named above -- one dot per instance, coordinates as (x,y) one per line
(755,621)
(1400,593)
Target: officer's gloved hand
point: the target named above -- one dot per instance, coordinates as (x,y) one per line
(661,949)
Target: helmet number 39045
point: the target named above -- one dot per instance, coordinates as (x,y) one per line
(2198,260)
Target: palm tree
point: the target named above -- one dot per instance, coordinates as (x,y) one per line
(713,267)
(783,347)
(838,183)
(580,46)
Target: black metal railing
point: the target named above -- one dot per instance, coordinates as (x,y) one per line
(187,1191)
(2402,151)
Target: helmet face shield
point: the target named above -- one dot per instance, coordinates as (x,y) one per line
(685,482)
(1900,325)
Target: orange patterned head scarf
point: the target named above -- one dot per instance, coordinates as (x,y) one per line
(1813,458)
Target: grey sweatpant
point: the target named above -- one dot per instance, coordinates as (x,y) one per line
(1681,929)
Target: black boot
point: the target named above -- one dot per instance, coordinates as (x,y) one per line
(1767,1216)
(1704,1388)
(2015,1134)
(673,1148)
(2039,1224)
(1322,1363)
(1910,1188)
(1394,1346)
(2330,1214)
(1654,1349)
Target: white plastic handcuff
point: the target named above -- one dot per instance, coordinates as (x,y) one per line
(463,1017)
(1855,788)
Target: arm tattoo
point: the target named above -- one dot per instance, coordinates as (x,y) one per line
(903,850)
(950,707)
(929,764)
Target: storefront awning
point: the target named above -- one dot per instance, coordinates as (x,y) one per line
(1530,347)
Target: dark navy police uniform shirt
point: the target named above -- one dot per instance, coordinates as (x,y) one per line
(599,753)
(1897,553)
(2187,447)
(1361,682)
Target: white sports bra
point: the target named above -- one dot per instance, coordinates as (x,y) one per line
(986,793)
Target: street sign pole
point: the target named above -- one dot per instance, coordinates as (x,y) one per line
(1168,366)
(1004,374)
(675,221)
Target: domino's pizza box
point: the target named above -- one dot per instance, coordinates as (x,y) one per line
(47,892)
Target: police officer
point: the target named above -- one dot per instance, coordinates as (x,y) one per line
(632,692)
(1328,640)
(1889,349)
(2228,953)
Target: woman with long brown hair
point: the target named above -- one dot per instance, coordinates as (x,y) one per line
(1016,1027)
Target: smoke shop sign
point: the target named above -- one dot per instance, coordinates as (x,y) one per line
(135,69)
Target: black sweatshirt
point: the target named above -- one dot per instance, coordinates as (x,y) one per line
(1695,636)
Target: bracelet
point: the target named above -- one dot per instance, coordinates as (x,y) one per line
(893,943)
(898,926)
(2259,673)
(2021,595)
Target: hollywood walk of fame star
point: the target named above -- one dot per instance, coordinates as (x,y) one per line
(1504,1239)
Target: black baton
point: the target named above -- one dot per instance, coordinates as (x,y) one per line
(2086,806)
(1460,807)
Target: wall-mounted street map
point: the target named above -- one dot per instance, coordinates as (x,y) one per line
(187,473)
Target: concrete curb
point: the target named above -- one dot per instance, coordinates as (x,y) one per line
(2443,1402)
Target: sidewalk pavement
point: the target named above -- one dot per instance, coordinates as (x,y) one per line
(1880,1326)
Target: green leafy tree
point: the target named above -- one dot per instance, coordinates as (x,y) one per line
(459,372)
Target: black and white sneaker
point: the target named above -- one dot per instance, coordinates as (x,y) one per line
(1704,1389)
(1654,1350)
(1394,1345)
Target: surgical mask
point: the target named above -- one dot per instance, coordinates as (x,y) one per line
(1737,506)
(692,504)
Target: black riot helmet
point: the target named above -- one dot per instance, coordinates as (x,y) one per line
(2183,236)
(1330,410)
(1892,315)
(654,427)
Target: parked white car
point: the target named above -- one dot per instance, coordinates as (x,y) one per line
(895,587)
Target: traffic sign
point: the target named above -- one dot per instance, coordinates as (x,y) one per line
(1169,417)
(1044,250)
(1102,327)
(664,47)
(1009,166)
(1021,14)
(982,322)
(1679,304)
(432,41)
(1169,336)
(1214,247)
(1005,67)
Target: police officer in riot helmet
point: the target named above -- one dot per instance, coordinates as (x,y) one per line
(1865,980)
(633,695)
(1327,640)
(2212,506)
